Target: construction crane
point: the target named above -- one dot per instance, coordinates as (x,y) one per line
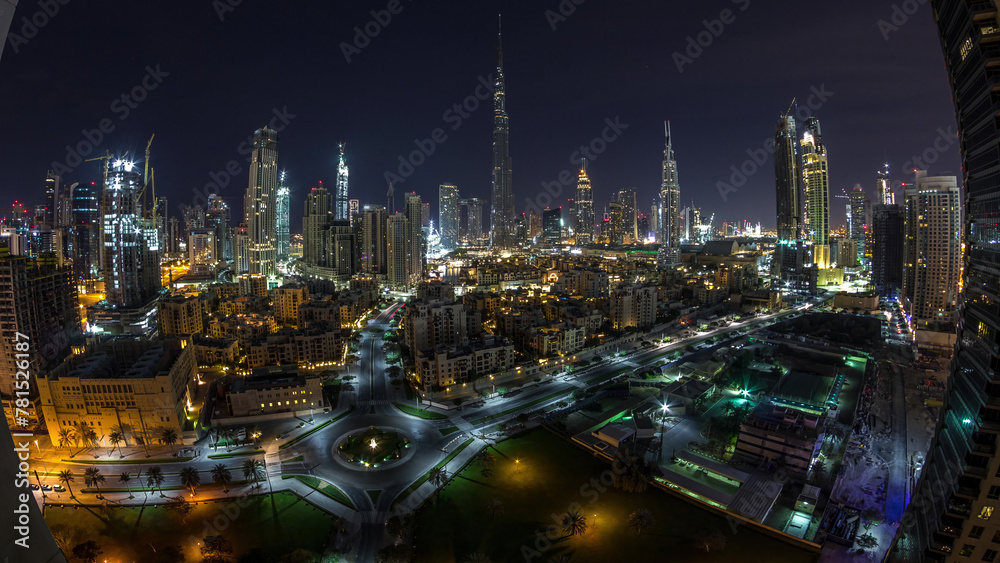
(789,110)
(146,178)
(104,192)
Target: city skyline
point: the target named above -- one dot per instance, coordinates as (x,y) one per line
(864,139)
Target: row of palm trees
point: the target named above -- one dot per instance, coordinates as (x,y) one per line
(82,434)
(253,470)
(229,435)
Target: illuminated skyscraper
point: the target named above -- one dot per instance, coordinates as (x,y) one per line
(552,225)
(260,203)
(341,207)
(86,235)
(584,227)
(502,217)
(817,192)
(474,220)
(630,216)
(858,224)
(932,250)
(416,250)
(397,250)
(131,261)
(449,215)
(220,219)
(315,223)
(373,241)
(787,180)
(616,214)
(670,196)
(354,208)
(283,214)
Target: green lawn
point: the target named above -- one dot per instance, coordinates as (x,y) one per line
(423,479)
(388,446)
(549,478)
(323,487)
(418,412)
(449,430)
(133,533)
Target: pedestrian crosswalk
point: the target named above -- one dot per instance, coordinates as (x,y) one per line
(374,402)
(374,517)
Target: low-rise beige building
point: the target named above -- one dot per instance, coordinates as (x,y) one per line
(281,392)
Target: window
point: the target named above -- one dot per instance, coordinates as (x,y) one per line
(994,492)
(967,550)
(986,512)
(977,532)
(990,555)
(996,537)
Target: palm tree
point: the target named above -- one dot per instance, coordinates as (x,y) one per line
(253,470)
(640,521)
(438,476)
(168,436)
(87,435)
(66,477)
(115,437)
(121,430)
(255,433)
(222,476)
(226,434)
(155,478)
(494,505)
(66,435)
(125,478)
(574,523)
(92,477)
(190,478)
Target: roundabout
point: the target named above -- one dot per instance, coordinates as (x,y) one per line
(374,447)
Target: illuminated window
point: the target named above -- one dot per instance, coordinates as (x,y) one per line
(986,512)
(966,47)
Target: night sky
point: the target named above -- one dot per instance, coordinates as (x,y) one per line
(229,74)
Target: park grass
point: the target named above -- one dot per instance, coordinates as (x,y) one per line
(295,459)
(374,494)
(357,448)
(129,461)
(132,534)
(235,454)
(420,413)
(423,478)
(323,487)
(308,433)
(551,476)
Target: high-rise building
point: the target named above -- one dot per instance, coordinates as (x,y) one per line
(654,221)
(131,261)
(354,207)
(284,215)
(241,249)
(86,235)
(416,250)
(552,225)
(670,201)
(474,220)
(219,218)
(951,515)
(374,261)
(887,248)
(584,228)
(202,251)
(616,214)
(630,229)
(397,231)
(858,219)
(260,203)
(932,249)
(315,223)
(341,206)
(449,215)
(787,179)
(502,217)
(816,188)
(38,298)
(58,202)
(883,188)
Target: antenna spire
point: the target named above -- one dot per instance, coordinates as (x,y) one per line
(500,40)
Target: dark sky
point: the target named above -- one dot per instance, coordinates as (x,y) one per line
(609,59)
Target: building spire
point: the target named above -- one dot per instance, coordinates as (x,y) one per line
(500,41)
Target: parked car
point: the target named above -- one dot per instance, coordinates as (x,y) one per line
(59,489)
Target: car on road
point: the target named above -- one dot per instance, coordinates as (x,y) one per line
(34,487)
(59,489)
(46,487)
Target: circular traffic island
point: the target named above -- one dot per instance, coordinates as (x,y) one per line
(374,447)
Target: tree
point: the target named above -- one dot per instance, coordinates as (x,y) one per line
(872,516)
(169,554)
(487,461)
(300,555)
(494,505)
(631,471)
(640,521)
(168,436)
(86,435)
(66,436)
(115,437)
(190,478)
(182,507)
(125,478)
(438,476)
(253,470)
(710,540)
(222,476)
(866,541)
(88,551)
(255,433)
(395,527)
(93,478)
(574,523)
(155,478)
(66,477)
(64,536)
(216,549)
(226,434)
(392,554)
